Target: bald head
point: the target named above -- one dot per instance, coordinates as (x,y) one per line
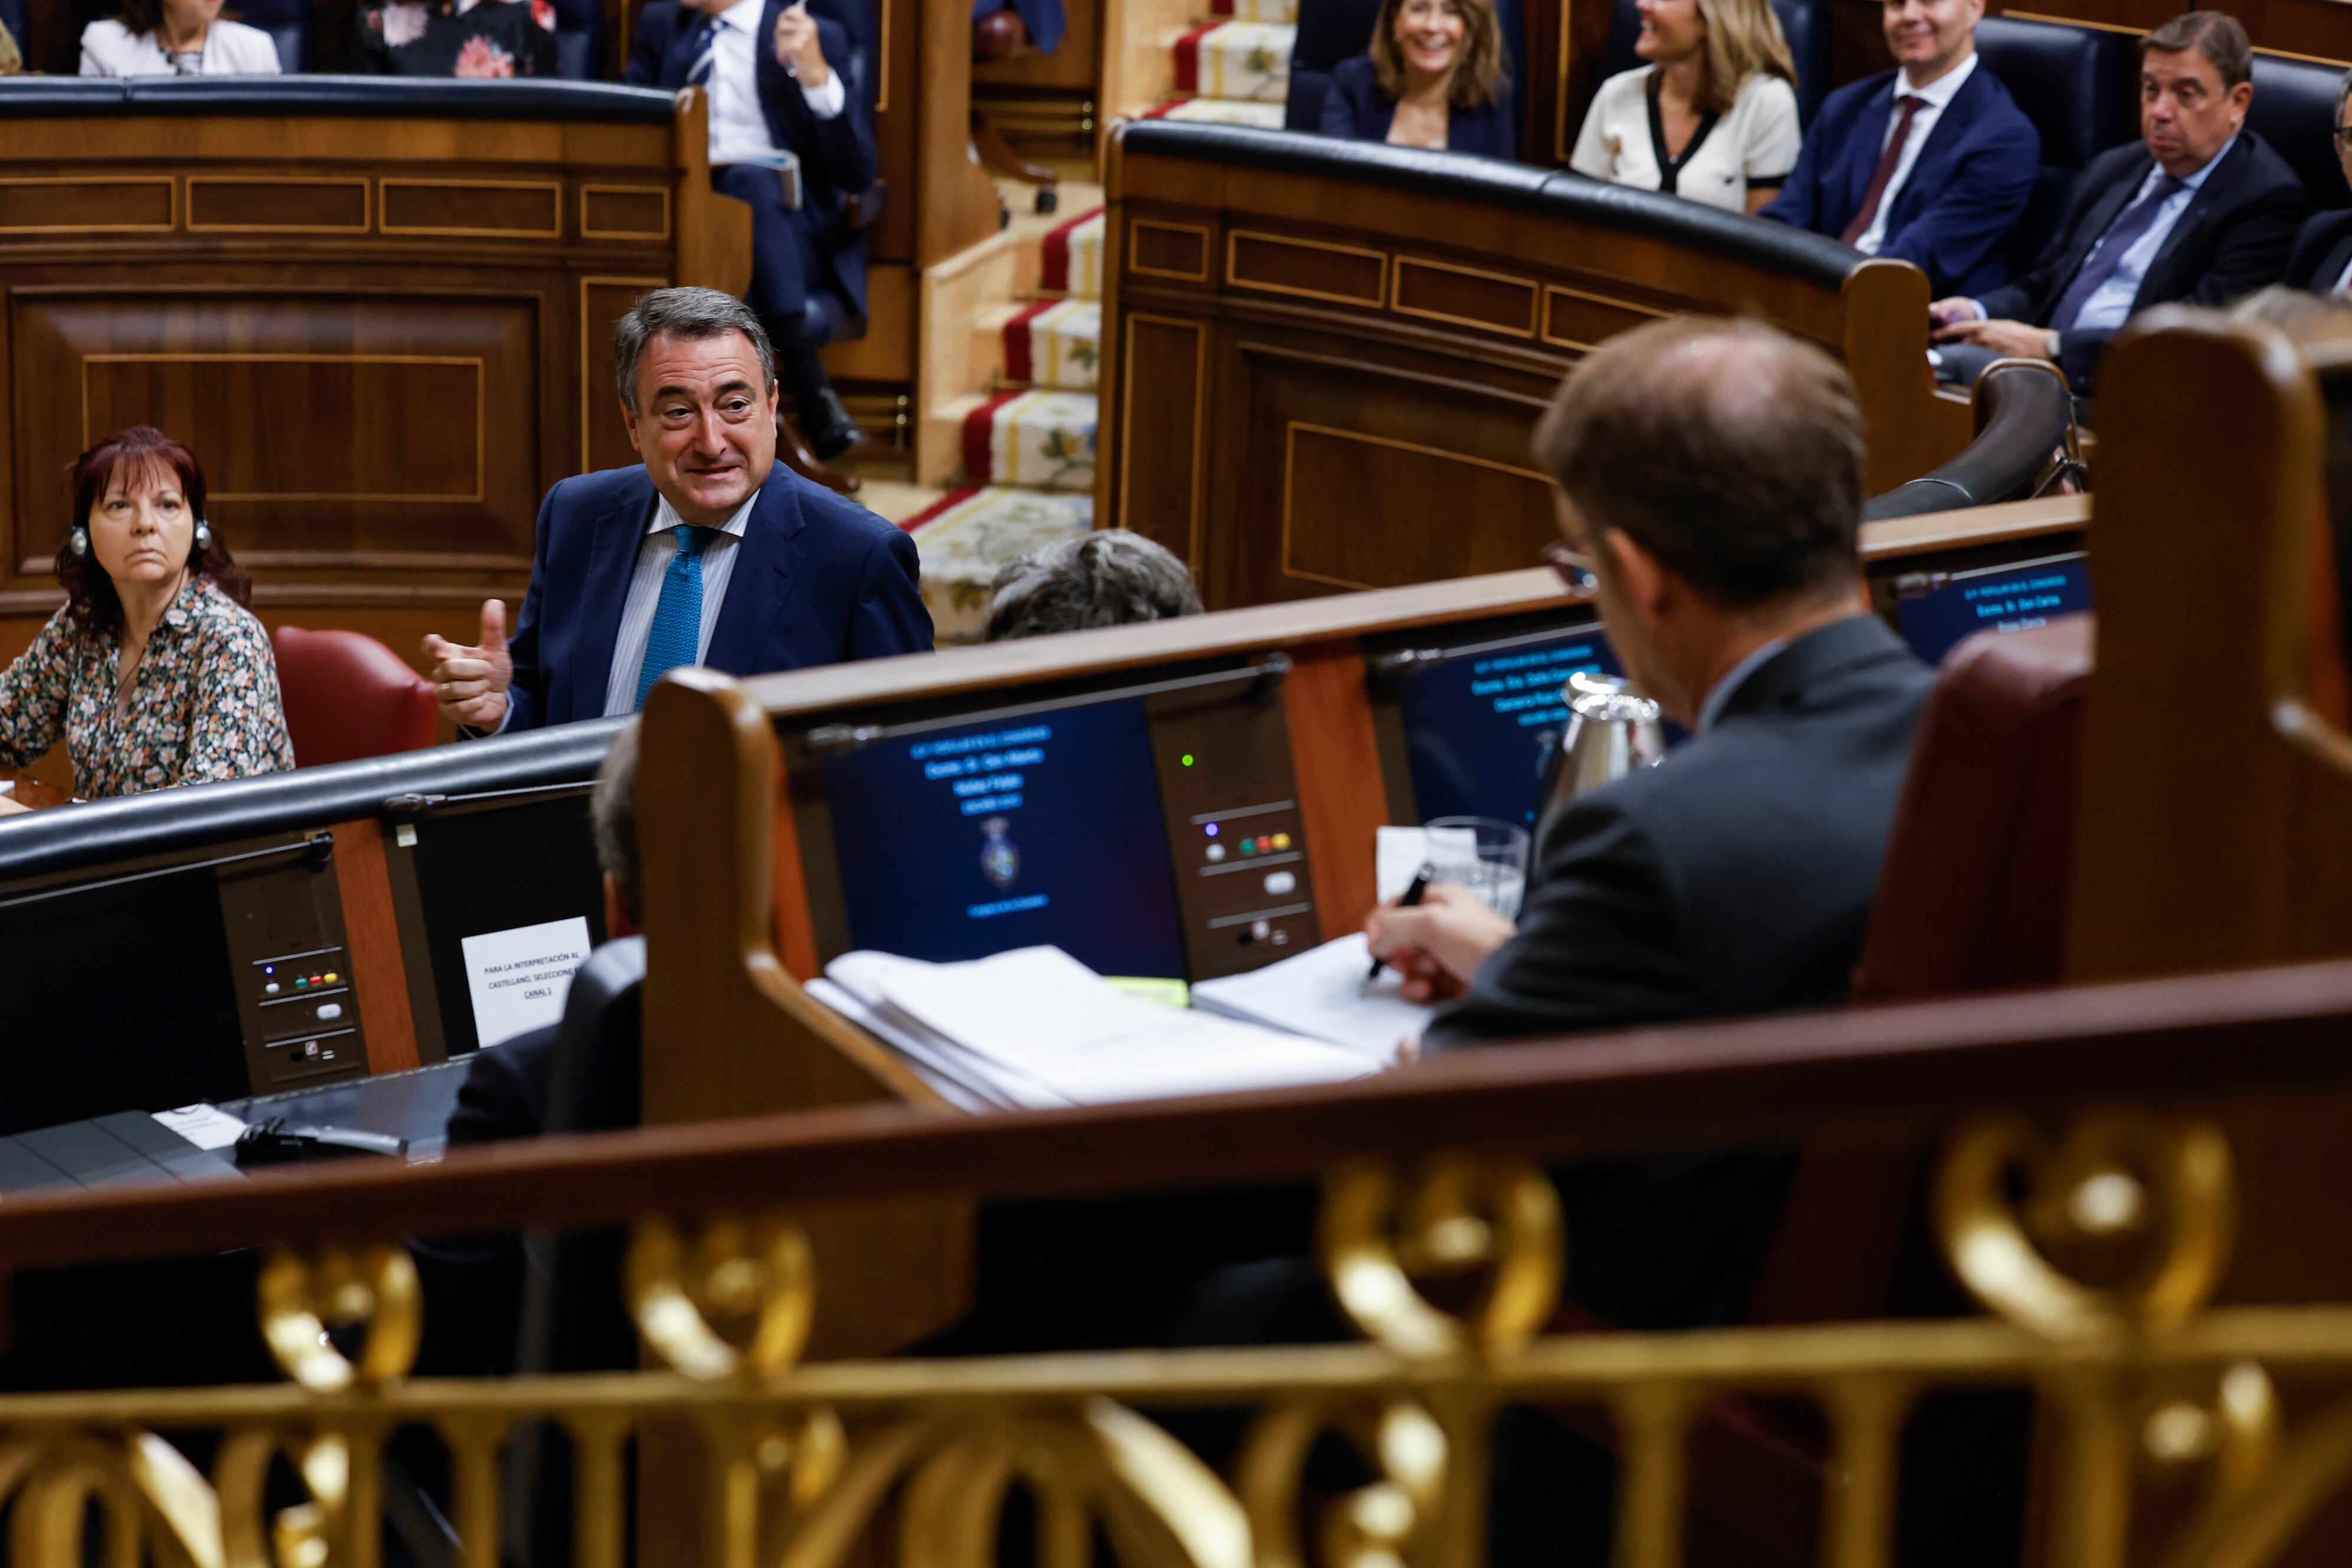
(1726,448)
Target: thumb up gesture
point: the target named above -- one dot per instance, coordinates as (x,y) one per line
(470,682)
(797,49)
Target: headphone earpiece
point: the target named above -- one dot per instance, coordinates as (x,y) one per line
(203,536)
(78,541)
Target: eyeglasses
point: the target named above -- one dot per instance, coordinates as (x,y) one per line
(1576,573)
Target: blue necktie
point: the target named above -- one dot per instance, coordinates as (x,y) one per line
(705,54)
(2128,231)
(675,637)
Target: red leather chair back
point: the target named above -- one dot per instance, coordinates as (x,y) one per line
(347,696)
(1972,896)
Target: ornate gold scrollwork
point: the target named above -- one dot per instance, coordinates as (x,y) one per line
(753,1278)
(303,1298)
(1382,1525)
(1461,1213)
(2119,1175)
(309,1534)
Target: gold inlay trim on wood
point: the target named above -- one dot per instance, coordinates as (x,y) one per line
(553,187)
(1233,238)
(588,191)
(171,204)
(1200,422)
(1138,225)
(587,458)
(481,415)
(269,181)
(1290,462)
(1397,302)
(1553,291)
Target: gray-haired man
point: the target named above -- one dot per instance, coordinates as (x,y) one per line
(708,553)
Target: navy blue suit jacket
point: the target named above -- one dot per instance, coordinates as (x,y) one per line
(1357,107)
(837,156)
(2322,251)
(1965,192)
(818,579)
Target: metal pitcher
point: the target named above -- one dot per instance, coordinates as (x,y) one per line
(1611,731)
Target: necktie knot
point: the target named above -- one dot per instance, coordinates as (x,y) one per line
(1911,103)
(692,540)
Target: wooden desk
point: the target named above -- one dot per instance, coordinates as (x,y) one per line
(28,791)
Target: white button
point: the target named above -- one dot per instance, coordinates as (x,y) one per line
(1261,928)
(1280,882)
(330,1011)
(1216,851)
(270,989)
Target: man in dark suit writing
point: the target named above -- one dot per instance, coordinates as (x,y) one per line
(776,93)
(1929,164)
(2198,210)
(710,553)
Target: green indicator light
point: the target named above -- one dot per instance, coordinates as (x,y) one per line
(1188,759)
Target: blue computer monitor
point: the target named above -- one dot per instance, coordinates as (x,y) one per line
(956,843)
(1479,720)
(2012,598)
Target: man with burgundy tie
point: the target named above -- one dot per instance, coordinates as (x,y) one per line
(2198,210)
(1929,164)
(710,553)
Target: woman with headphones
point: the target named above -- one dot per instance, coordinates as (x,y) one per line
(154,673)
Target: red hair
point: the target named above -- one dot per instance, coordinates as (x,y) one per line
(141,450)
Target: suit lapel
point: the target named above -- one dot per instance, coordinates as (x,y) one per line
(1949,127)
(2201,205)
(2096,222)
(677,59)
(1870,143)
(761,578)
(611,562)
(2332,268)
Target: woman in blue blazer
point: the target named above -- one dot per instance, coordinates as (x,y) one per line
(1434,77)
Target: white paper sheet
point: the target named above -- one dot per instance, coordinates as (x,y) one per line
(1399,853)
(518,977)
(205,1126)
(1322,994)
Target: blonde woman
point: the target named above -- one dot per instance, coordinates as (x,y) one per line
(1712,118)
(1434,77)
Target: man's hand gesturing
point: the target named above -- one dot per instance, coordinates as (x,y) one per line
(470,683)
(797,48)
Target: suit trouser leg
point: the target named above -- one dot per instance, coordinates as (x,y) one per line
(779,292)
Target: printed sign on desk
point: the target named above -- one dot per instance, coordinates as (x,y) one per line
(518,978)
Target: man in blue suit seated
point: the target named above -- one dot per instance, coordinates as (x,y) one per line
(710,553)
(769,68)
(1931,164)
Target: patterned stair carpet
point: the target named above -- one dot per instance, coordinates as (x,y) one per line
(967,534)
(1233,66)
(1055,342)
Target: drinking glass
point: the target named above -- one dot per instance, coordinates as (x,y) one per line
(1484,854)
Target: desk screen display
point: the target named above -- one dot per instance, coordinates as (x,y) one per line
(959,843)
(1477,724)
(2000,598)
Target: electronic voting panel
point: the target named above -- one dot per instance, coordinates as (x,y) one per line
(1467,717)
(1146,827)
(1934,610)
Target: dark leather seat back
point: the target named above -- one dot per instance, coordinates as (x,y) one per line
(2080,86)
(2294,112)
(347,696)
(1972,895)
(1805,24)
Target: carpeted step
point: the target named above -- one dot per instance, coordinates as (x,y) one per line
(1053,343)
(1218,111)
(966,536)
(1286,11)
(1070,256)
(1248,60)
(1044,440)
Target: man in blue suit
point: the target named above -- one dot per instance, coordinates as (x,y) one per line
(1931,164)
(711,552)
(769,68)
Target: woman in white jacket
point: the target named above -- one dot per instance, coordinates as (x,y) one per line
(175,37)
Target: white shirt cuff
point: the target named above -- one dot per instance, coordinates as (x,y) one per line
(828,100)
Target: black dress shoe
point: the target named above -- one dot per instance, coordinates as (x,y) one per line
(831,430)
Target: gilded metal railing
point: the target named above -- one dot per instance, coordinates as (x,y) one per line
(2097,1250)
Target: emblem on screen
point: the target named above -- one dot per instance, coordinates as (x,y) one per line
(998,856)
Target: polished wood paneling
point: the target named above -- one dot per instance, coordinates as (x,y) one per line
(1465,295)
(1330,715)
(523,209)
(1574,318)
(1309,268)
(625,212)
(603,430)
(1162,427)
(102,204)
(1178,252)
(372,931)
(1329,475)
(276,205)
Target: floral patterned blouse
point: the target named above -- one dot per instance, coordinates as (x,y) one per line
(203,705)
(481,38)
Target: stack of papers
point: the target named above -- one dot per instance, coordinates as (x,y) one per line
(1324,994)
(1034,1027)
